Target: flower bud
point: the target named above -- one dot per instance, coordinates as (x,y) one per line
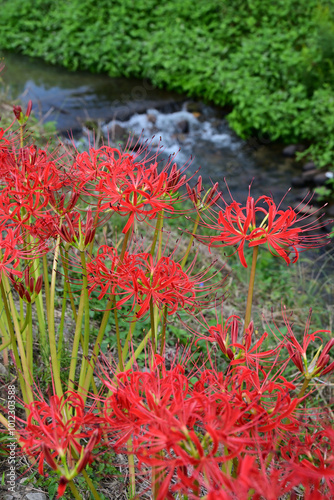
(38,286)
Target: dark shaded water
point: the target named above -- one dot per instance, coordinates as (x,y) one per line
(70,99)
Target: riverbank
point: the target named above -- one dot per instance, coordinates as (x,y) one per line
(268,64)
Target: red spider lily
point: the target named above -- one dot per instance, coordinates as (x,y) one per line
(140,193)
(226,335)
(76,231)
(280,230)
(30,288)
(22,118)
(53,430)
(201,201)
(131,183)
(143,280)
(319,364)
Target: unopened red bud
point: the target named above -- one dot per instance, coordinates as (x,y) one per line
(20,289)
(328,347)
(87,237)
(17,110)
(29,108)
(27,296)
(38,286)
(212,194)
(26,276)
(65,235)
(328,369)
(295,358)
(251,327)
(73,201)
(230,353)
(31,284)
(199,185)
(323,361)
(234,331)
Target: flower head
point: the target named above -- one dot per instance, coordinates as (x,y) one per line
(262,222)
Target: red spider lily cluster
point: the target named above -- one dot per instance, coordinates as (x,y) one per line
(56,430)
(261,222)
(231,425)
(141,280)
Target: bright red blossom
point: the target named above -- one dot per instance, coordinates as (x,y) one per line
(255,224)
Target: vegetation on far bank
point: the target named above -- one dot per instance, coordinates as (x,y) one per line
(271,62)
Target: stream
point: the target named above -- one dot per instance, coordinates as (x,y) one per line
(188,128)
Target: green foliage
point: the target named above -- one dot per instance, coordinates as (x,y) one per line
(273,62)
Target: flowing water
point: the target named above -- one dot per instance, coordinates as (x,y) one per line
(72,98)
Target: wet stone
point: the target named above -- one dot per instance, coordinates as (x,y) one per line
(35,496)
(310,165)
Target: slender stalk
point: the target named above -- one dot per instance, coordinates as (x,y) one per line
(23,384)
(251,288)
(67,282)
(61,326)
(119,345)
(96,349)
(132,472)
(52,334)
(152,326)
(40,311)
(76,340)
(91,485)
(86,308)
(184,260)
(304,387)
(163,333)
(46,287)
(29,340)
(6,342)
(74,490)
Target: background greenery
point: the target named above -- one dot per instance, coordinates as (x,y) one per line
(270,62)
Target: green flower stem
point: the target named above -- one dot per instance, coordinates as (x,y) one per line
(86,331)
(76,340)
(61,325)
(304,387)
(96,350)
(152,326)
(119,345)
(132,472)
(6,342)
(67,282)
(163,333)
(40,310)
(29,340)
(51,318)
(91,485)
(26,390)
(251,288)
(130,333)
(46,287)
(184,260)
(74,490)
